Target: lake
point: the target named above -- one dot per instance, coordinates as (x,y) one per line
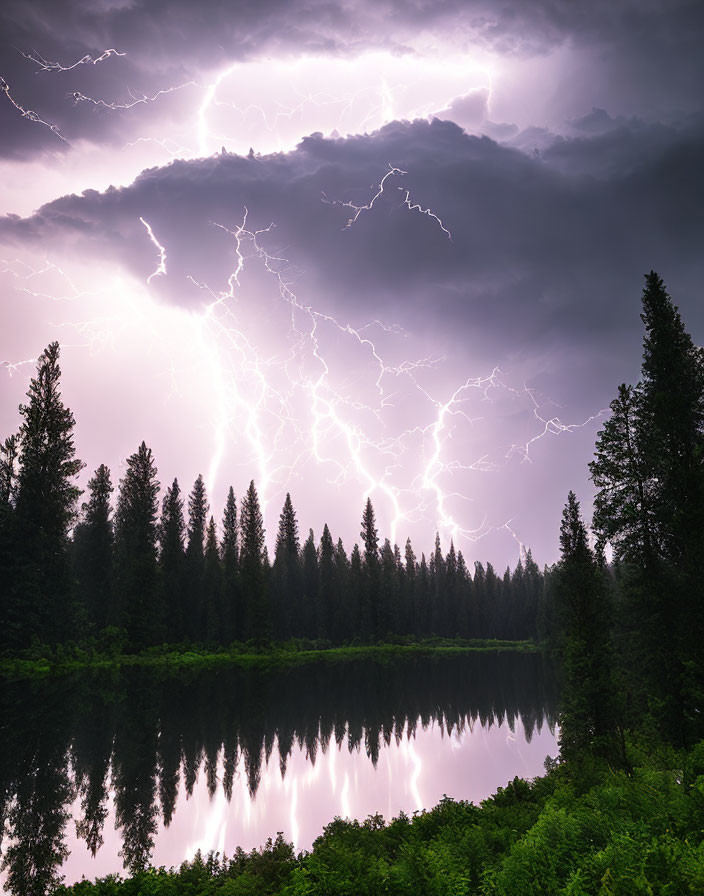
(100,773)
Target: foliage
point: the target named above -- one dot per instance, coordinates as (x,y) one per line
(638,834)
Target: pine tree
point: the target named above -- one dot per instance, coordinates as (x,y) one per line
(287,579)
(232,609)
(388,591)
(135,550)
(411,603)
(360,618)
(172,563)
(649,472)
(93,551)
(464,607)
(369,598)
(195,560)
(344,621)
(214,631)
(45,509)
(452,589)
(436,573)
(423,600)
(587,721)
(257,622)
(329,598)
(10,617)
(309,562)
(624,505)
(672,422)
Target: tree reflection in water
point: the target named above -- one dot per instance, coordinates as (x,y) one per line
(139,734)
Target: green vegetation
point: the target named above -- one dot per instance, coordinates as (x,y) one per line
(68,659)
(620,835)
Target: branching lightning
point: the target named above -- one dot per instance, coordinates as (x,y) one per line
(291,407)
(46,66)
(29,114)
(136,99)
(407,201)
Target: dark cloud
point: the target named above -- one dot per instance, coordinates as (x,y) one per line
(644,56)
(545,260)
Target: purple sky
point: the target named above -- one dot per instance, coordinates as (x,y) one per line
(443,350)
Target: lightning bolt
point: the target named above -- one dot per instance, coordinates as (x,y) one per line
(407,201)
(161,267)
(28,113)
(46,66)
(136,99)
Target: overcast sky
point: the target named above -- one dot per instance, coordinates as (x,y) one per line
(347,249)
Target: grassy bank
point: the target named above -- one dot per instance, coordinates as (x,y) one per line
(610,834)
(43,661)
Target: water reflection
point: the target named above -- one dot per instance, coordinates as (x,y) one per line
(170,760)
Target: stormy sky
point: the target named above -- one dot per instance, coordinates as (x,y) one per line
(347,249)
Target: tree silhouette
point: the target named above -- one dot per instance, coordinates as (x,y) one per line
(135,549)
(93,540)
(46,506)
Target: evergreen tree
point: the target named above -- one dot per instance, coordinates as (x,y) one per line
(10,619)
(369,598)
(387,620)
(287,580)
(257,622)
(436,573)
(411,602)
(232,609)
(329,597)
(424,610)
(464,591)
(93,551)
(452,589)
(345,615)
(135,550)
(171,563)
(672,421)
(45,509)
(214,632)
(360,617)
(587,721)
(195,560)
(309,561)
(624,502)
(649,472)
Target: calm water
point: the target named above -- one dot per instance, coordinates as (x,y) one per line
(97,774)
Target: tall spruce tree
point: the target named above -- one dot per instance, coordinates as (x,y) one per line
(257,623)
(93,540)
(135,550)
(311,587)
(45,509)
(287,576)
(10,618)
(411,591)
(344,617)
(369,598)
(649,472)
(195,560)
(587,721)
(328,597)
(214,630)
(229,549)
(171,563)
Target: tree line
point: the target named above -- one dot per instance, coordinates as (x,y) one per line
(631,632)
(162,571)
